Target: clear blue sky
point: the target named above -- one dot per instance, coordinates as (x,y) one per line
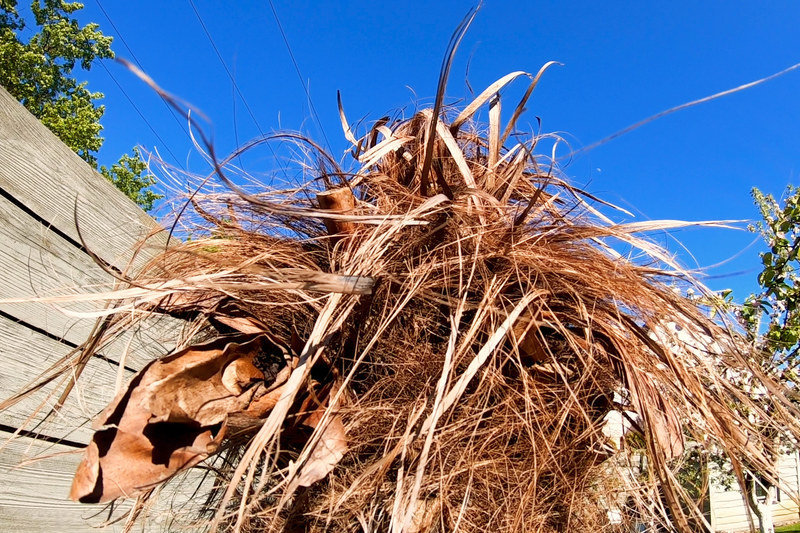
(623,61)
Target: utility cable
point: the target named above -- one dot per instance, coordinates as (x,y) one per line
(299,75)
(225,66)
(136,108)
(139,64)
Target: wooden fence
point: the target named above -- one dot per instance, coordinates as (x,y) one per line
(44,189)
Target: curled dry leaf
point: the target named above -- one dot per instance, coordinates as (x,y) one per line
(329,449)
(240,374)
(340,200)
(241,324)
(171,417)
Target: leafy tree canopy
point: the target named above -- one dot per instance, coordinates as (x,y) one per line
(772,316)
(131,177)
(37,69)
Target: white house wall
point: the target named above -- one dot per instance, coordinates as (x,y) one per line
(729,511)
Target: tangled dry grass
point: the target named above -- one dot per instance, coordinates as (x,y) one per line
(432,342)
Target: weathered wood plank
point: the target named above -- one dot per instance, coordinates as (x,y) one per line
(19,346)
(44,175)
(41,174)
(34,498)
(40,182)
(36,262)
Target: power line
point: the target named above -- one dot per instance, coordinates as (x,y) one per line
(139,64)
(135,107)
(130,100)
(219,56)
(299,75)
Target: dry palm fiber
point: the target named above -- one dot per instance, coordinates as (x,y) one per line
(429,343)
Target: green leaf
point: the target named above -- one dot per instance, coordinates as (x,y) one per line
(130,176)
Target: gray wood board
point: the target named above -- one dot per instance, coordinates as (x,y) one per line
(38,262)
(35,478)
(44,175)
(42,181)
(19,346)
(34,495)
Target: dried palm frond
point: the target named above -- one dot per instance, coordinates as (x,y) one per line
(432,342)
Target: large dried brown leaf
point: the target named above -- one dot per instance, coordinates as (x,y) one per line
(171,417)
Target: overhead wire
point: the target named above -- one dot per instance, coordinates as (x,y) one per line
(236,88)
(225,66)
(133,104)
(299,74)
(139,112)
(139,63)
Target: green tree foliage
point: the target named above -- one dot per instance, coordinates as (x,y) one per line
(771,319)
(39,72)
(37,68)
(131,177)
(772,316)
